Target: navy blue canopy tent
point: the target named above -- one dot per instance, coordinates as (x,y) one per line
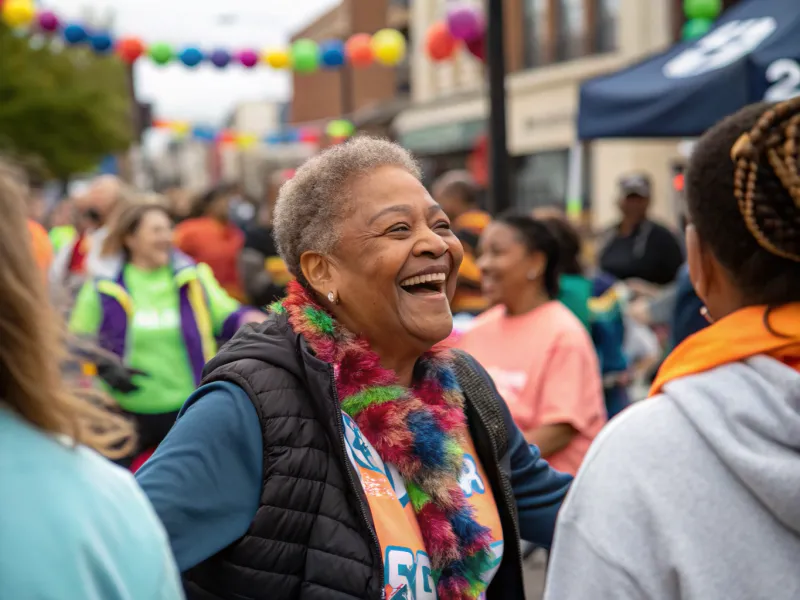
(751,54)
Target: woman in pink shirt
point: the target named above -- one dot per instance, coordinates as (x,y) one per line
(538,353)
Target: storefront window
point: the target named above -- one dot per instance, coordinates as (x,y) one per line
(542,179)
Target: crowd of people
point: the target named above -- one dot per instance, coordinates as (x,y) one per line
(363,387)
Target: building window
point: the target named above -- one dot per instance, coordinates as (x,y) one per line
(537,34)
(562,30)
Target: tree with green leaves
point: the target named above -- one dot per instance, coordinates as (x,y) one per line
(63,108)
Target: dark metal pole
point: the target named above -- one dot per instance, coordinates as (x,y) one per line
(500,194)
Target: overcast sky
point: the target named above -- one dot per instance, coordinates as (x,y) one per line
(204,94)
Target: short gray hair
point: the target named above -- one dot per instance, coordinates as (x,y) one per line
(311,205)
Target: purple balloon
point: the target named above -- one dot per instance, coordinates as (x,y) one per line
(220,58)
(466,23)
(248,58)
(48,21)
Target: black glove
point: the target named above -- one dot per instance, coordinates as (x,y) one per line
(118,376)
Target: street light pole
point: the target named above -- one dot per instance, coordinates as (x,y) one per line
(500,197)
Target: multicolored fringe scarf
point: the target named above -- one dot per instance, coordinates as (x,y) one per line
(420,431)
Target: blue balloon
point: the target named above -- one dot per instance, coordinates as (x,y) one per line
(101,42)
(191,57)
(75,34)
(332,53)
(273,139)
(291,135)
(205,134)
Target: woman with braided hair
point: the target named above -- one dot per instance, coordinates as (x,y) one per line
(692,494)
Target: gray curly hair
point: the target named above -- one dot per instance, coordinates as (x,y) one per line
(311,205)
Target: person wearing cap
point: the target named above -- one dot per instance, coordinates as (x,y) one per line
(639,248)
(457,194)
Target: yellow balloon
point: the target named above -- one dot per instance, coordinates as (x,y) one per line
(277,58)
(389,47)
(18,13)
(180,128)
(246,140)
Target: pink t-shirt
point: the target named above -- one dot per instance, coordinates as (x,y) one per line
(545,367)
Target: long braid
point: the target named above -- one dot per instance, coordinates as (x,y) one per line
(768,191)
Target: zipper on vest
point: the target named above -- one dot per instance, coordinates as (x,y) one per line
(376,546)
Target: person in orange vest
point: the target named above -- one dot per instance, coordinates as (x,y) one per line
(458,195)
(42,249)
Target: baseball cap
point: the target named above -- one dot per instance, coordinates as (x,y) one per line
(636,184)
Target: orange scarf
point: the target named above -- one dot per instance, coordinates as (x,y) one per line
(738,336)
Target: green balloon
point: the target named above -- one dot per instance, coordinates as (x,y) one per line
(340,128)
(702,9)
(305,56)
(161,53)
(696,28)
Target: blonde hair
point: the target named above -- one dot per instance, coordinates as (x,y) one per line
(32,346)
(126,223)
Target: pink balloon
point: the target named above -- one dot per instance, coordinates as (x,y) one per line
(48,21)
(248,58)
(466,23)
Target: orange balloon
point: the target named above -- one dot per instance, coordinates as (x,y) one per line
(130,49)
(358,50)
(227,136)
(439,43)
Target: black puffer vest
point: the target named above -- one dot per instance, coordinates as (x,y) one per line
(313,537)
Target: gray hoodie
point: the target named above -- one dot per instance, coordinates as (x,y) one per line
(690,495)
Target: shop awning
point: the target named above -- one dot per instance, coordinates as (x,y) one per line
(752,54)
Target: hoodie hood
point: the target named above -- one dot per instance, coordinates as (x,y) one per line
(749,414)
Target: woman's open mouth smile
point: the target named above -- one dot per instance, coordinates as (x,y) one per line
(431,284)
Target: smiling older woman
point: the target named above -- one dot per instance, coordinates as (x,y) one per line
(334,451)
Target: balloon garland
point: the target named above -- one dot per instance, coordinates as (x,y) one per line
(700,17)
(464,25)
(387,47)
(335,131)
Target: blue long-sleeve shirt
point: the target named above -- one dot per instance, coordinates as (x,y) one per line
(205,479)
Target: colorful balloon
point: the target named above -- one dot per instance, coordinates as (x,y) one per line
(101,42)
(359,50)
(477,48)
(191,57)
(466,23)
(702,9)
(220,58)
(389,47)
(305,56)
(161,53)
(340,128)
(248,58)
(696,28)
(439,43)
(205,134)
(130,49)
(245,141)
(309,136)
(226,136)
(75,34)
(331,53)
(48,21)
(181,128)
(18,13)
(277,58)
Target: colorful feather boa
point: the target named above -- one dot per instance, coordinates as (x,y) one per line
(419,430)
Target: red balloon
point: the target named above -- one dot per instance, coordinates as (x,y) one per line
(226,137)
(130,49)
(310,136)
(439,43)
(358,50)
(477,48)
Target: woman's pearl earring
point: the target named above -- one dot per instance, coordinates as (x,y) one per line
(333,298)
